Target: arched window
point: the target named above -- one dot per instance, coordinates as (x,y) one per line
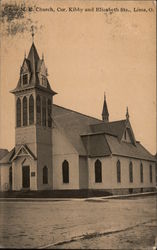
(44,111)
(141,172)
(49,113)
(31,110)
(18,112)
(150,173)
(65,171)
(45,175)
(38,108)
(118,172)
(25,111)
(98,171)
(130,172)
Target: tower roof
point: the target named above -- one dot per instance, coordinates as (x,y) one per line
(33,66)
(33,58)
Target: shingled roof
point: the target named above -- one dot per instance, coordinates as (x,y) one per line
(92,137)
(114,128)
(73,124)
(128,149)
(7,158)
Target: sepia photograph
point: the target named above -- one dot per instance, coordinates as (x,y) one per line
(78,124)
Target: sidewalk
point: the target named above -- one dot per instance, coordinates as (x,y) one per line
(77,199)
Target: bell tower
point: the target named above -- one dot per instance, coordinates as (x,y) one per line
(33,129)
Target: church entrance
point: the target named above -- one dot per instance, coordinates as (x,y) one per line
(25,177)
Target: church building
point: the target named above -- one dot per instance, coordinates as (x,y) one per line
(60,149)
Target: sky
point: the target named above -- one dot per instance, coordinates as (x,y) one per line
(87,53)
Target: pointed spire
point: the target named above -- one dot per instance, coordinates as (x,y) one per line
(105,113)
(127,113)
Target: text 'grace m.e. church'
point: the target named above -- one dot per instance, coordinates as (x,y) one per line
(62,150)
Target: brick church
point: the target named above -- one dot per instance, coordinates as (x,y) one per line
(59,149)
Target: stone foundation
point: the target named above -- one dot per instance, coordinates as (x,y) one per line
(84,193)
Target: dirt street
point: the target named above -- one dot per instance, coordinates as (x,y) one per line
(75,223)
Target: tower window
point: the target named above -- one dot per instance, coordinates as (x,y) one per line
(25,79)
(44,111)
(141,172)
(18,112)
(44,81)
(38,105)
(65,171)
(25,111)
(118,172)
(150,173)
(31,110)
(45,175)
(98,171)
(49,113)
(130,172)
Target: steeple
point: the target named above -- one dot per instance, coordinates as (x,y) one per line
(127,113)
(33,72)
(105,113)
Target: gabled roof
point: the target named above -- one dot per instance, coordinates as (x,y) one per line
(92,137)
(8,157)
(23,150)
(128,149)
(114,128)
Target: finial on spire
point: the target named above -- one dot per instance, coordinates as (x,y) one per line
(32,30)
(25,55)
(127,113)
(104,95)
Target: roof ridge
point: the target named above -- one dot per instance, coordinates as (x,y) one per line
(76,112)
(117,121)
(99,133)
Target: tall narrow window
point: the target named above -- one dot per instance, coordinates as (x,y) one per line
(141,172)
(150,173)
(31,110)
(45,175)
(49,113)
(98,171)
(118,172)
(25,79)
(44,111)
(65,171)
(130,172)
(44,81)
(25,111)
(10,177)
(38,108)
(18,112)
